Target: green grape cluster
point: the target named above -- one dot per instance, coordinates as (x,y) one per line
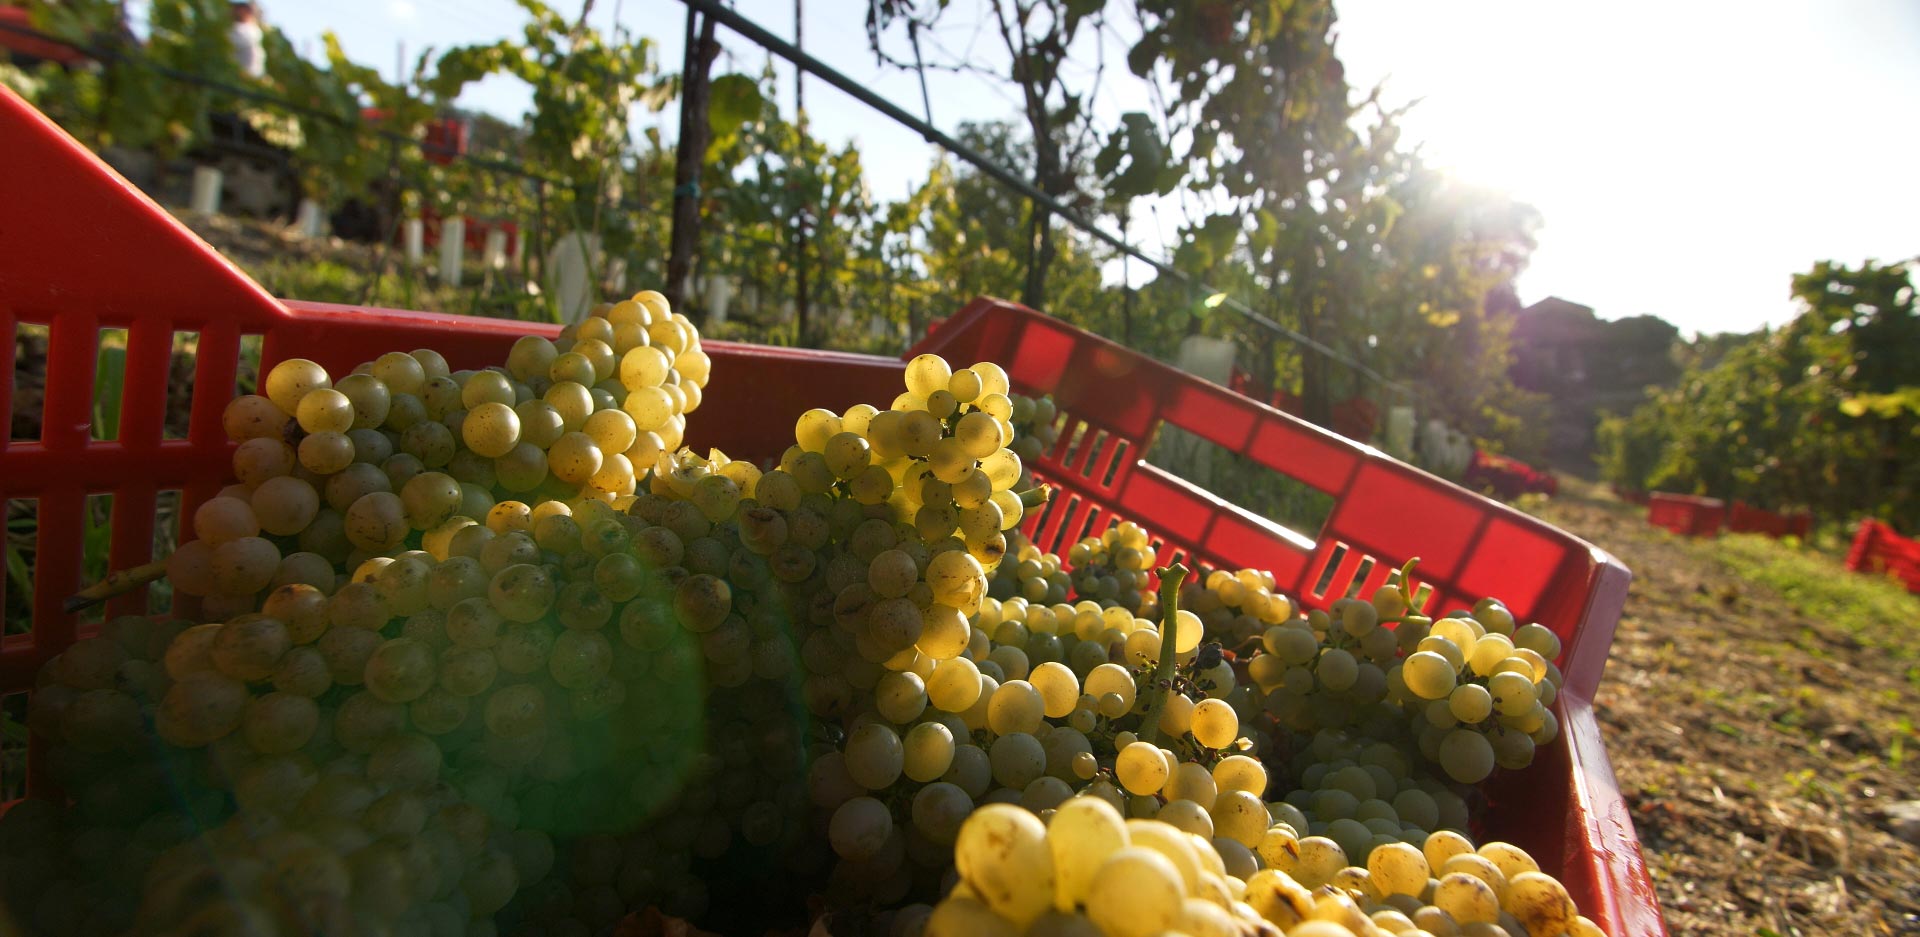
(1031,575)
(1236,607)
(1362,665)
(1477,691)
(480,652)
(1084,869)
(393,646)
(1044,705)
(1036,428)
(1115,567)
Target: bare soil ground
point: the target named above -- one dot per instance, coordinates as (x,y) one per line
(1758,708)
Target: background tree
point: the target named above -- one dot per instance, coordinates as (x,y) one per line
(126,102)
(1822,412)
(585,86)
(1038,37)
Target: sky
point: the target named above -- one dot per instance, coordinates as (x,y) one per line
(1688,157)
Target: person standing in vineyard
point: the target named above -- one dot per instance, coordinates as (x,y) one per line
(249,41)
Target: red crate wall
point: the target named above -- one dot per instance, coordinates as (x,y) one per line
(1744,518)
(1687,515)
(1879,549)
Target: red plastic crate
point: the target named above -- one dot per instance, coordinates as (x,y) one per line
(1878,548)
(13,20)
(1566,806)
(1686,515)
(475,231)
(97,254)
(444,141)
(1744,518)
(1506,477)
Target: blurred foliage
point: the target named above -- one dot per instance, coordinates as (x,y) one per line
(1298,197)
(1823,412)
(120,98)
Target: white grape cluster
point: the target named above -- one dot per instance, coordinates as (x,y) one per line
(1032,575)
(1083,869)
(1236,606)
(1479,690)
(470,652)
(1115,568)
(1036,428)
(406,679)
(1472,690)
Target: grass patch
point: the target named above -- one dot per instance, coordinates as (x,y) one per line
(330,281)
(1866,607)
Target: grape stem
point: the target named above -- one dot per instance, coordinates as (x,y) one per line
(1171,578)
(1406,588)
(1035,496)
(116,583)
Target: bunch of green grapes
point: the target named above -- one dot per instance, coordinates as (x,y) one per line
(1477,691)
(1035,425)
(77,866)
(1237,606)
(1084,869)
(1046,703)
(489,651)
(1115,568)
(333,475)
(426,583)
(320,805)
(1365,793)
(1030,574)
(1321,684)
(1472,690)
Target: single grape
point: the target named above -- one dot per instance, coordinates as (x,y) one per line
(515,711)
(859,828)
(1141,768)
(218,520)
(1002,854)
(429,498)
(279,722)
(522,592)
(244,566)
(1135,892)
(1466,756)
(200,708)
(1215,724)
(284,506)
(927,374)
(1429,675)
(291,380)
(324,410)
(1466,899)
(928,751)
(377,521)
(259,459)
(400,670)
(939,810)
(875,756)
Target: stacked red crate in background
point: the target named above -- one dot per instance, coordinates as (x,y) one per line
(1877,548)
(1507,478)
(1744,518)
(1686,515)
